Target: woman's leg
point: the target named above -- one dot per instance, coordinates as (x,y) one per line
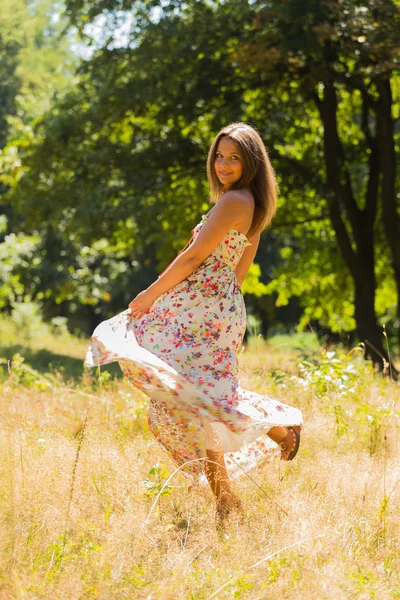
(285,438)
(218,479)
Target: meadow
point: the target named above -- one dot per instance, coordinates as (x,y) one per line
(85,512)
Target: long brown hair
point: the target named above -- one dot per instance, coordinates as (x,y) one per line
(258,175)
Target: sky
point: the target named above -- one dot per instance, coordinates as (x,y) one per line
(102,27)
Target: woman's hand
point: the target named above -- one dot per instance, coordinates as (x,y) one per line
(141,304)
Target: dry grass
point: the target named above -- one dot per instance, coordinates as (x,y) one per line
(73,503)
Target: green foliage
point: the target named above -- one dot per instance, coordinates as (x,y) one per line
(9,49)
(313,274)
(17,255)
(105,504)
(304,342)
(331,373)
(374,419)
(252,283)
(103,376)
(59,326)
(20,373)
(28,319)
(342,426)
(46,64)
(111,176)
(242,585)
(158,474)
(275,567)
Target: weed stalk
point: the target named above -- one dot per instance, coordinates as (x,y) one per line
(81,435)
(394,395)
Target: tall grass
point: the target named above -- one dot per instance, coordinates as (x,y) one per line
(79,473)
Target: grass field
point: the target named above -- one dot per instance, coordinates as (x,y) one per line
(80,473)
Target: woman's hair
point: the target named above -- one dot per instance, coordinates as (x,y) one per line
(258,175)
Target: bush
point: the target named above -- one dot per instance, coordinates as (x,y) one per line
(27,317)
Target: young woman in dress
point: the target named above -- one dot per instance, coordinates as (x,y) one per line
(179,339)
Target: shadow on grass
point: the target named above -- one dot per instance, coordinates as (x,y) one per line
(45,361)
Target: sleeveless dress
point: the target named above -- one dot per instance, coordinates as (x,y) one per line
(183,354)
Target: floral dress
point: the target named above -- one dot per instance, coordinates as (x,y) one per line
(183,354)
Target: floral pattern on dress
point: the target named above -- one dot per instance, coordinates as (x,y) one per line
(183,354)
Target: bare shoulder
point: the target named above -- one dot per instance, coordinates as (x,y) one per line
(233,210)
(239,205)
(239,200)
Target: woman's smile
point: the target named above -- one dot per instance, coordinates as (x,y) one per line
(228,162)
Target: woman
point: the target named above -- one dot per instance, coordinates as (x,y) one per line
(179,339)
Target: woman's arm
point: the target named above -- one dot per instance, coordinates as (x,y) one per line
(230,211)
(247,259)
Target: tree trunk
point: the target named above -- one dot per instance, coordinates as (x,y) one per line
(353,226)
(391,218)
(368,329)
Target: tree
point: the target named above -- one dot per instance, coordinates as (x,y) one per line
(35,67)
(9,81)
(345,52)
(311,80)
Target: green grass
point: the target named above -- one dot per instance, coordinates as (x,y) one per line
(47,352)
(303,341)
(79,471)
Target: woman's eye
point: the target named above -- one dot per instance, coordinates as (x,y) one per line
(234,157)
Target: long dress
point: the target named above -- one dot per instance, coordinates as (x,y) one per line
(183,354)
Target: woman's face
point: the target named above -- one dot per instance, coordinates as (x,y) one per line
(228,163)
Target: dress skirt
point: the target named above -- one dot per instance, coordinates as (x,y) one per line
(183,355)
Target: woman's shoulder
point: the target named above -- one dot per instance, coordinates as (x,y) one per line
(242,199)
(237,207)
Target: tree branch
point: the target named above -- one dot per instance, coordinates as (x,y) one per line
(279,225)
